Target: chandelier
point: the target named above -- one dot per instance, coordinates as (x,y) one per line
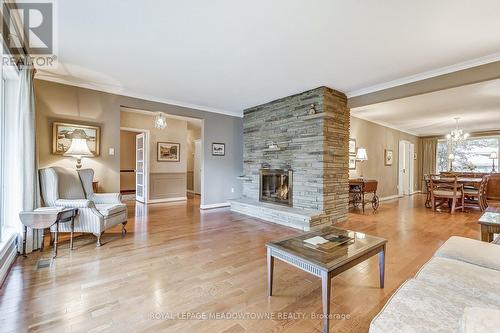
(457,135)
(160,120)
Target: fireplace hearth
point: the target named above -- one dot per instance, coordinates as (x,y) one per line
(276,186)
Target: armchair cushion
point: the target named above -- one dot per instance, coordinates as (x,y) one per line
(111,209)
(75,203)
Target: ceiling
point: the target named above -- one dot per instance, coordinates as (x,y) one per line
(225,56)
(477,105)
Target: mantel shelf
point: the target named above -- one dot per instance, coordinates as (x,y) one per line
(244,178)
(317,115)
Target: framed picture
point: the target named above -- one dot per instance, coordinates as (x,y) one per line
(352,146)
(168,152)
(62,134)
(388,157)
(352,162)
(218,149)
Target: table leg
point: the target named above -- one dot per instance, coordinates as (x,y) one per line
(326,285)
(486,236)
(381,266)
(25,232)
(56,236)
(270,272)
(71,235)
(43,240)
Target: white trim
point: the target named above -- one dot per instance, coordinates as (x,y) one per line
(390,197)
(190,191)
(152,113)
(425,75)
(381,123)
(168,200)
(216,205)
(122,92)
(11,256)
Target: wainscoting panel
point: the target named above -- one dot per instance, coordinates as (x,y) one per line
(167,185)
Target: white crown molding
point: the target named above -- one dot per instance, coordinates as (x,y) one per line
(123,92)
(381,123)
(425,75)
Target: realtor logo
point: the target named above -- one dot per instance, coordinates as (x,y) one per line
(28,27)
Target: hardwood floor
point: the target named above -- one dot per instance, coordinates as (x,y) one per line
(178,261)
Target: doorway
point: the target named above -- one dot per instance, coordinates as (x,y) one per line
(406,168)
(134,165)
(197,167)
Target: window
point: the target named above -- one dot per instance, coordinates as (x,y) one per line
(471,156)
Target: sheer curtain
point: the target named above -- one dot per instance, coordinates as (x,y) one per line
(20,184)
(429,153)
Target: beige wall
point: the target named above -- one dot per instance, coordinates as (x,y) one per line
(127,160)
(55,102)
(375,138)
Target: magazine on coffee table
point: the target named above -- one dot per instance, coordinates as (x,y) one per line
(327,242)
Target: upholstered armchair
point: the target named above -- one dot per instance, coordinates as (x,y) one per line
(97,212)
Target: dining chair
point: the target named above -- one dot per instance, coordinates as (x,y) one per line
(427,181)
(476,195)
(451,193)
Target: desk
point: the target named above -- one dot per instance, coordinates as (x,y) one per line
(44,218)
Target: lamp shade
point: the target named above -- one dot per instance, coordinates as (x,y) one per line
(361,155)
(79,147)
(493,156)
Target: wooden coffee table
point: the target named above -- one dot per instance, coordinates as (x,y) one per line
(490,223)
(326,263)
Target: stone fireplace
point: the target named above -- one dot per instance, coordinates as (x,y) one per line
(309,134)
(276,186)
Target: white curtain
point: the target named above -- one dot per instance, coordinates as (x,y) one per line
(20,177)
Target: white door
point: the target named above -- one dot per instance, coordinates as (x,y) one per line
(140,188)
(197,167)
(405,183)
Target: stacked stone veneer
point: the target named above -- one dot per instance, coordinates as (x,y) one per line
(315,147)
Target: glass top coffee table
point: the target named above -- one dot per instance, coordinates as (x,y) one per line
(340,250)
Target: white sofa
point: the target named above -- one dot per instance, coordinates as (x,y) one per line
(458,290)
(97,212)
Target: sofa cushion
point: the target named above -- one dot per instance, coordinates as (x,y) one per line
(471,251)
(461,277)
(480,320)
(111,209)
(419,306)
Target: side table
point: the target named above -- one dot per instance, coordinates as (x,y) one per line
(43,218)
(490,224)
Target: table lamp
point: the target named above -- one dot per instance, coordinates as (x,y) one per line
(79,147)
(361,156)
(451,157)
(493,157)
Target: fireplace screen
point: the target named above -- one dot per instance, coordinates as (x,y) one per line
(276,186)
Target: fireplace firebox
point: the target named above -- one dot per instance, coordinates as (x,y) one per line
(276,186)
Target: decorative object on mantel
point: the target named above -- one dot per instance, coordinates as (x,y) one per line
(361,156)
(273,147)
(243,177)
(62,134)
(78,148)
(160,120)
(218,149)
(388,157)
(493,157)
(168,152)
(312,110)
(352,146)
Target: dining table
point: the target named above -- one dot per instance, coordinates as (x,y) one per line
(474,182)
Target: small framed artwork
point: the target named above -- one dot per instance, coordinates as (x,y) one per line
(168,152)
(388,157)
(352,162)
(352,146)
(62,134)
(218,149)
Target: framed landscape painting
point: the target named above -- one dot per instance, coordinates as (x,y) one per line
(218,149)
(62,134)
(168,152)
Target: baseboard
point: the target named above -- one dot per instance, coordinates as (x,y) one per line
(10,255)
(217,205)
(190,191)
(390,197)
(167,200)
